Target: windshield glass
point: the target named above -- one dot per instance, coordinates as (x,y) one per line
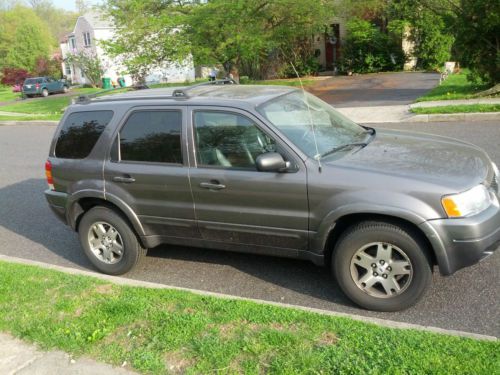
(293,114)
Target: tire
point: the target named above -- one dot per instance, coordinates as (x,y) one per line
(402,272)
(96,226)
(45,93)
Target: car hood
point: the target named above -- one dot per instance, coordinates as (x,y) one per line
(445,161)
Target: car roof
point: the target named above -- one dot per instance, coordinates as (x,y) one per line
(204,94)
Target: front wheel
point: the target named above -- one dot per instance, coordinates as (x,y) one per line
(109,242)
(382,266)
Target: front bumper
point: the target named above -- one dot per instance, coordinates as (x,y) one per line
(57,203)
(459,243)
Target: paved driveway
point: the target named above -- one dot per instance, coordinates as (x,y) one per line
(376,89)
(467,301)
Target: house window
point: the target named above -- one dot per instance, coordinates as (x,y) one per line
(72,43)
(86,39)
(67,69)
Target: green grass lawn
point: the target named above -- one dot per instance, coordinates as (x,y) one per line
(158,330)
(466,108)
(456,86)
(6,94)
(51,107)
(276,82)
(30,118)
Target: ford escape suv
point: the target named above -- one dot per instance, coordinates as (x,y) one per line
(275,171)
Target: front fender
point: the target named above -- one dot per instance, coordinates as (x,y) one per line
(318,242)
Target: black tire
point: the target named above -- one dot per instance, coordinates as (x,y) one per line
(133,252)
(45,93)
(362,234)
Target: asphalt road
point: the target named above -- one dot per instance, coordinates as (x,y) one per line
(467,301)
(378,89)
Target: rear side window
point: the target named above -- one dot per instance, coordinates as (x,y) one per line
(152,136)
(80,132)
(30,80)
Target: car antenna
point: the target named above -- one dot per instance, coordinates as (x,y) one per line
(318,155)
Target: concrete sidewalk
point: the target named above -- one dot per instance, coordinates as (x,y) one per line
(19,358)
(445,103)
(402,113)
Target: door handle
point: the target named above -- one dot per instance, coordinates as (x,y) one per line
(125,179)
(214,185)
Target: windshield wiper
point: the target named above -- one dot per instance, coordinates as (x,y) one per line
(342,147)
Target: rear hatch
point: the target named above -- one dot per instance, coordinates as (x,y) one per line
(32,86)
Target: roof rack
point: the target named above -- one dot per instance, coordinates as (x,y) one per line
(83,99)
(183,93)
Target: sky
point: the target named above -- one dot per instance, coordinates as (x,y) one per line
(70,4)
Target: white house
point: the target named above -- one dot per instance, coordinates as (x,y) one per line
(89,30)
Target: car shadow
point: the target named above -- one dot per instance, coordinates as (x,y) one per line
(298,276)
(24,211)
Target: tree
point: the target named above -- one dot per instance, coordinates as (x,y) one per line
(219,32)
(12,76)
(478,38)
(23,38)
(90,65)
(59,21)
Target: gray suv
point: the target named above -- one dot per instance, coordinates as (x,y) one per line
(276,171)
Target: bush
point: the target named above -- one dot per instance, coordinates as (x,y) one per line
(48,67)
(367,49)
(477,44)
(12,76)
(432,41)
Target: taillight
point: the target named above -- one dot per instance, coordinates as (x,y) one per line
(48,174)
(37,85)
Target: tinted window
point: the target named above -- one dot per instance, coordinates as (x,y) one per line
(153,136)
(80,132)
(229,140)
(30,81)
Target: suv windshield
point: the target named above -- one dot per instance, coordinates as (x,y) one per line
(303,118)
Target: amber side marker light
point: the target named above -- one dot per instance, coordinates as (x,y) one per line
(451,208)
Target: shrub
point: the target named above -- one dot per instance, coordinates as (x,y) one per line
(12,76)
(367,49)
(48,67)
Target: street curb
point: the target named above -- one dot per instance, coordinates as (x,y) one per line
(147,284)
(451,117)
(30,122)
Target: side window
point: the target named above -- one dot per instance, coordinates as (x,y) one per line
(80,132)
(152,136)
(229,140)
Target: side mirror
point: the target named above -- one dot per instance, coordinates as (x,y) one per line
(271,162)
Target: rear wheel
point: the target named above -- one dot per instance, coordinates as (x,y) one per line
(45,93)
(382,266)
(109,242)
(65,89)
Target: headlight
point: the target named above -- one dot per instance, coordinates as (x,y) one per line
(468,203)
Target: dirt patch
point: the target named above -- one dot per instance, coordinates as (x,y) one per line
(104,289)
(176,362)
(326,339)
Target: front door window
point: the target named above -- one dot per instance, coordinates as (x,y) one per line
(229,140)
